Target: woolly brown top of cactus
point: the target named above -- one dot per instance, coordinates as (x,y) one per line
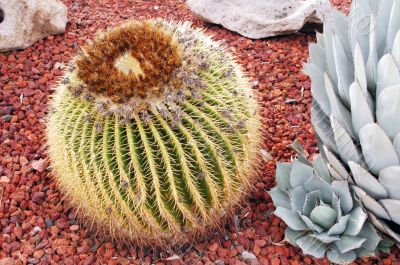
(149,53)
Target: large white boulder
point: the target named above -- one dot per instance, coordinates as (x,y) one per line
(24,22)
(261,18)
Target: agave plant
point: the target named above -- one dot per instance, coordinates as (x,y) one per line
(322,215)
(355,73)
(153,133)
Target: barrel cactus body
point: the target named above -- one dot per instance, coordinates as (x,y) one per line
(355,73)
(153,133)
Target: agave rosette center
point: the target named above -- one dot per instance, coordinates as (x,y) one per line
(322,216)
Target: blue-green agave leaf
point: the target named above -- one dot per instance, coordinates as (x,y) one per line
(328,44)
(388,109)
(318,87)
(372,61)
(387,74)
(370,203)
(300,174)
(341,189)
(396,48)
(347,243)
(392,208)
(283,176)
(317,57)
(312,199)
(292,235)
(377,148)
(336,164)
(367,182)
(280,198)
(291,218)
(382,22)
(345,145)
(316,183)
(368,231)
(341,258)
(394,24)
(323,216)
(359,25)
(339,227)
(322,126)
(311,225)
(297,198)
(359,66)
(344,69)
(396,144)
(296,145)
(338,110)
(311,246)
(325,238)
(321,170)
(389,178)
(356,222)
(359,104)
(336,205)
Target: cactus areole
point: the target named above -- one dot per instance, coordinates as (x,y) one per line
(153,133)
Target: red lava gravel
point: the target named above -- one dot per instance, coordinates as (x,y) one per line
(37,227)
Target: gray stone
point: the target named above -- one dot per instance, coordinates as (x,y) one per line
(248,255)
(24,22)
(257,19)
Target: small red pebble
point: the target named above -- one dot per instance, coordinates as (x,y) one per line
(38,197)
(28,249)
(74,227)
(119,261)
(19,196)
(23,161)
(387,261)
(256,250)
(18,232)
(239,249)
(223,252)
(275,261)
(260,242)
(11,58)
(307,260)
(38,254)
(4,179)
(263,261)
(21,83)
(32,137)
(213,247)
(39,165)
(7,261)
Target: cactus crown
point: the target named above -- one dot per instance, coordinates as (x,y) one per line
(139,66)
(139,59)
(153,133)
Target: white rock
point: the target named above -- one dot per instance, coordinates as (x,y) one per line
(25,22)
(248,255)
(262,18)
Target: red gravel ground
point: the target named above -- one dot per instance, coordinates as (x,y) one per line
(37,227)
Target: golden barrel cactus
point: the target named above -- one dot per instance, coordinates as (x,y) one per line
(153,133)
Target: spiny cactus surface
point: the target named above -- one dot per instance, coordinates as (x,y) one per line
(153,133)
